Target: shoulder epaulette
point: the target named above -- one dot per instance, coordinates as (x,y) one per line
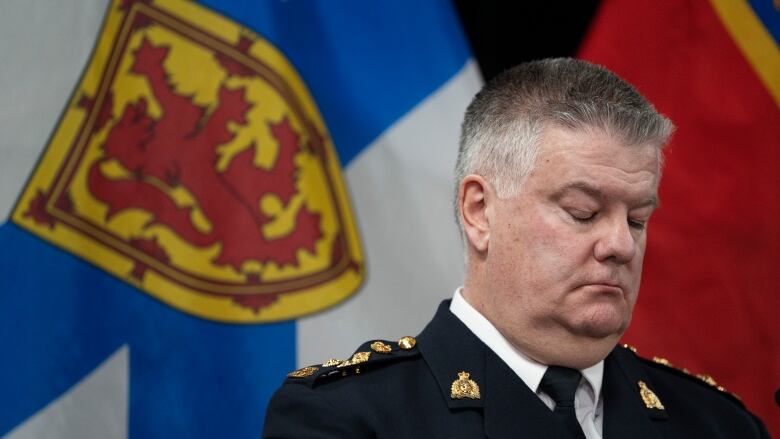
(370,355)
(704,379)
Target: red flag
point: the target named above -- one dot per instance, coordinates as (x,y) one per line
(709,300)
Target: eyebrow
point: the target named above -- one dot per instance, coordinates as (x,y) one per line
(595,192)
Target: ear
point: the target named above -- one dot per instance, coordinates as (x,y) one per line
(475,202)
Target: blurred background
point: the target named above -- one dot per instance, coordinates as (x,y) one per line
(503,34)
(200,197)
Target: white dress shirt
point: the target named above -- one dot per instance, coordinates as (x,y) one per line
(587,400)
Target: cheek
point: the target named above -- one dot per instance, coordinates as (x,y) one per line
(638,261)
(555,245)
(635,276)
(535,249)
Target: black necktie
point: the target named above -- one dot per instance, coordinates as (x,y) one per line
(561,383)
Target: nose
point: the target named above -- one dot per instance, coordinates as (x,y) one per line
(615,242)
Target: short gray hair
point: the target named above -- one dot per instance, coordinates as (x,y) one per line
(500,134)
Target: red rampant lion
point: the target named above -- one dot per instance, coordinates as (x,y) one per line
(180,149)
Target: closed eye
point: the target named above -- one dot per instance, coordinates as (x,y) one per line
(582,216)
(636,224)
(588,217)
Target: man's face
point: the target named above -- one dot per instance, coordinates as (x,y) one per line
(565,255)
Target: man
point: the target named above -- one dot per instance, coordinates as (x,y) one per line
(557,178)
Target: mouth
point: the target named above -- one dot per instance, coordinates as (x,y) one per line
(609,288)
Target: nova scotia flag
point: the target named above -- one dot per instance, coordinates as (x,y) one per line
(199,197)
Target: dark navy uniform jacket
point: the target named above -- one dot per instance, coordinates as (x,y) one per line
(408,394)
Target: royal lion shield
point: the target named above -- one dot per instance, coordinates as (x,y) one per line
(192,162)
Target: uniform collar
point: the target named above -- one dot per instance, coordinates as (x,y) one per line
(509,406)
(529,370)
(449,347)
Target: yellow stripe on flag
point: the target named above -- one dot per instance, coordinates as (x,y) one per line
(753,40)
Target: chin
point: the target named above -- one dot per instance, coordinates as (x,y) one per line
(602,324)
(601,321)
(600,331)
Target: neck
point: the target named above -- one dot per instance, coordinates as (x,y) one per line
(545,342)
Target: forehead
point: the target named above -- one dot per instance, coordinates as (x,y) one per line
(594,159)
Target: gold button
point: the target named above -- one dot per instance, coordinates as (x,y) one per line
(381,348)
(663,361)
(407,343)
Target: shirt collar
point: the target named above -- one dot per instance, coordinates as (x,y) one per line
(529,370)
